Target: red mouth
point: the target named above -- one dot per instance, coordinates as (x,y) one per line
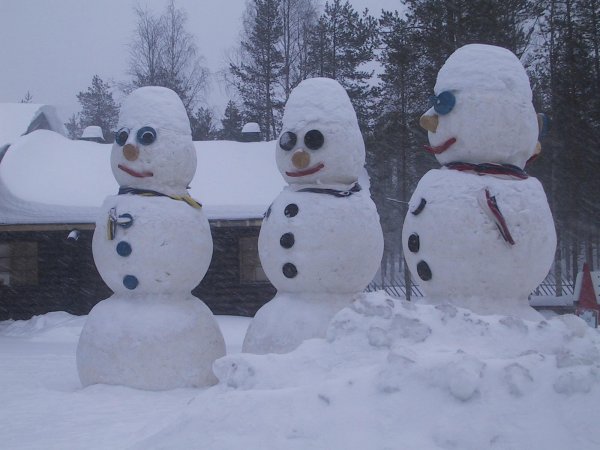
(440,148)
(134,173)
(309,171)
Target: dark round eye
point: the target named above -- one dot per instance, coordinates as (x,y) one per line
(314,139)
(443,103)
(121,136)
(287,141)
(146,135)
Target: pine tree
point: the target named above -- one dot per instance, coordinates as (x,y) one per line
(232,123)
(341,43)
(203,128)
(28,98)
(98,108)
(257,74)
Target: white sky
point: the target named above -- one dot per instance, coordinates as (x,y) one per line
(52,48)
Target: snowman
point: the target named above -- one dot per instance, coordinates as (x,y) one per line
(321,241)
(152,245)
(479,233)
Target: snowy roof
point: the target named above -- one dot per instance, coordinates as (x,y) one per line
(92,132)
(17,119)
(47,178)
(251,127)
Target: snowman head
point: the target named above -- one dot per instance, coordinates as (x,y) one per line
(482,110)
(320,142)
(153,146)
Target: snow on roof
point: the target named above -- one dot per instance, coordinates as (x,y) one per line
(251,127)
(17,118)
(46,178)
(93,131)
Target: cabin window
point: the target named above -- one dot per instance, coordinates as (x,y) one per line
(250,269)
(18,263)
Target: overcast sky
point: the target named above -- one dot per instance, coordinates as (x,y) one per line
(52,48)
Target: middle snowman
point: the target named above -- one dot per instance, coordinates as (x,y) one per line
(321,241)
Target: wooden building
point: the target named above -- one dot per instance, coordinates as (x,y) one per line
(50,191)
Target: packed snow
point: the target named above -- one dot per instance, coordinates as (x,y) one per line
(389,375)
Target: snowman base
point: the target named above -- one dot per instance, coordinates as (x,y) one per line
(288,319)
(152,342)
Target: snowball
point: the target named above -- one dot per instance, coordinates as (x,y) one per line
(322,104)
(168,164)
(471,264)
(154,343)
(493,120)
(171,245)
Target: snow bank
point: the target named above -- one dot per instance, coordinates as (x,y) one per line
(390,375)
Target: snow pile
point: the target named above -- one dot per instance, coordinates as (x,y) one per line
(390,375)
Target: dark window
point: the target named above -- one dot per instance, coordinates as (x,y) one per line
(250,269)
(18,263)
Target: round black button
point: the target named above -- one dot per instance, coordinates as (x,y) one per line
(287,240)
(289,270)
(124,248)
(291,210)
(130,282)
(413,243)
(424,271)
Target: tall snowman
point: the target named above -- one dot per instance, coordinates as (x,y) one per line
(479,233)
(321,241)
(152,246)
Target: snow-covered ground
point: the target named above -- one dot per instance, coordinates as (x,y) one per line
(390,375)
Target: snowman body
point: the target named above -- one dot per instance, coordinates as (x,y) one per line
(152,245)
(458,255)
(318,250)
(321,242)
(159,245)
(479,232)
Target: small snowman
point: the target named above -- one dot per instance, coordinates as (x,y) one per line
(479,232)
(152,245)
(321,241)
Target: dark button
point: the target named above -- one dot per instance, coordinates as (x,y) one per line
(287,240)
(289,270)
(414,243)
(424,271)
(123,248)
(419,209)
(130,282)
(291,210)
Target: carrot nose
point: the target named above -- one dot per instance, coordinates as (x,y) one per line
(131,152)
(301,159)
(430,123)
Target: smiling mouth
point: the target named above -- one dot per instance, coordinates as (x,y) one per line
(309,171)
(440,148)
(134,173)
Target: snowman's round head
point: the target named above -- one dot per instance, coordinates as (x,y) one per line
(153,146)
(320,142)
(482,110)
